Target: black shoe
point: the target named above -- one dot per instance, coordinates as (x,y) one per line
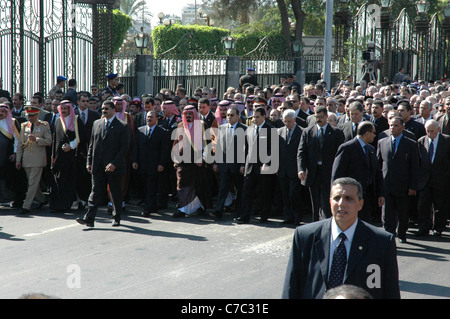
(241,220)
(287,222)
(40,205)
(402,239)
(83,221)
(437,233)
(116,223)
(16,204)
(421,233)
(217,214)
(179,214)
(24,211)
(145,214)
(263,220)
(201,212)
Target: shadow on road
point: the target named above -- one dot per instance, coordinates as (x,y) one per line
(425,289)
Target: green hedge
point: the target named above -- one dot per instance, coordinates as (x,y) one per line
(208,40)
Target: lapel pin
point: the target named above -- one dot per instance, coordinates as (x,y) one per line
(360,248)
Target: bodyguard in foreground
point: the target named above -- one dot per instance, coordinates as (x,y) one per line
(342,250)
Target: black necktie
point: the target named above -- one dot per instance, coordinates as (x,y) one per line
(289,134)
(393,145)
(108,123)
(339,264)
(367,150)
(431,150)
(321,137)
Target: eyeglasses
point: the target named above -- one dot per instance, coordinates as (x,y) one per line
(105,108)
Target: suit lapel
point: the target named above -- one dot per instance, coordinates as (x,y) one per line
(358,248)
(322,248)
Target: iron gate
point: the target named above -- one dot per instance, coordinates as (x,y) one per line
(41,39)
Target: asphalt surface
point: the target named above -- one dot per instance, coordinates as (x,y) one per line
(162,257)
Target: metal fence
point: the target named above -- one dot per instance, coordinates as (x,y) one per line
(191,72)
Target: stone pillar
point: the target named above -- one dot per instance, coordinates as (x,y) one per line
(233,74)
(300,74)
(144,74)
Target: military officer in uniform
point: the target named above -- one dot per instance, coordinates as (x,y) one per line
(112,83)
(35,135)
(60,83)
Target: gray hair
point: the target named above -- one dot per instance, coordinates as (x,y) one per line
(289,114)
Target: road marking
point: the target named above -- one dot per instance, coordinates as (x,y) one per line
(50,230)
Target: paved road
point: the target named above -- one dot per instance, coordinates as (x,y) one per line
(163,257)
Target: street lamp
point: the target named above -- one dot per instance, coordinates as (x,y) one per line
(386,4)
(422,6)
(229,42)
(447,10)
(297,47)
(205,17)
(422,27)
(141,40)
(161,17)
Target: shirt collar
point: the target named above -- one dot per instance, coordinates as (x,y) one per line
(349,232)
(324,127)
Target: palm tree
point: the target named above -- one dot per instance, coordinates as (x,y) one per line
(136,9)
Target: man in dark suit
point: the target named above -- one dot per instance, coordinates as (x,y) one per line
(259,166)
(106,160)
(434,150)
(444,121)
(349,128)
(411,125)
(381,123)
(316,151)
(287,173)
(400,165)
(88,117)
(357,159)
(366,252)
(230,159)
(205,114)
(150,154)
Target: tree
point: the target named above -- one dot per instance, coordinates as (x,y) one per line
(136,9)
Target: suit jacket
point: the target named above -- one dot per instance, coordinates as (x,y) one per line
(111,147)
(149,152)
(400,169)
(309,152)
(437,173)
(288,152)
(347,130)
(253,161)
(210,120)
(351,161)
(223,148)
(445,124)
(308,266)
(415,127)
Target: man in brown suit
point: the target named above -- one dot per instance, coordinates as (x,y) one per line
(35,135)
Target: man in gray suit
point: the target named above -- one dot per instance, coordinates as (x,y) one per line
(108,147)
(366,254)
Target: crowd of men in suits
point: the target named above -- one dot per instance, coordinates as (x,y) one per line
(258,150)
